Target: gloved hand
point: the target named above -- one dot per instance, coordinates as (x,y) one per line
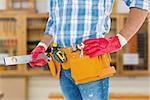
(40,48)
(96,47)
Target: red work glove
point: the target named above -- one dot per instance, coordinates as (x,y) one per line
(40,48)
(96,47)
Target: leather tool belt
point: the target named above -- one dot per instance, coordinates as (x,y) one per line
(83,69)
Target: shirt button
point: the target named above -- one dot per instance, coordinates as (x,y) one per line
(107,14)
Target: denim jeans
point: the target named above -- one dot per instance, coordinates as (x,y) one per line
(95,90)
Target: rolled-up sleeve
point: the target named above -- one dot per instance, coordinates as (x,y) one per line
(143,4)
(50,23)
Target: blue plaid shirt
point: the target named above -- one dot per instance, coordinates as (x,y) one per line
(72,21)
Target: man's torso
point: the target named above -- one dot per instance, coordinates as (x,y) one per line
(77,20)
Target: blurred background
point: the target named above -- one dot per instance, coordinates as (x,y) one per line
(22,23)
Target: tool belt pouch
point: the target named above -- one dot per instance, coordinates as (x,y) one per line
(86,67)
(54,67)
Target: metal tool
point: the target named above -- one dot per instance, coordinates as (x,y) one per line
(58,54)
(80,47)
(14,60)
